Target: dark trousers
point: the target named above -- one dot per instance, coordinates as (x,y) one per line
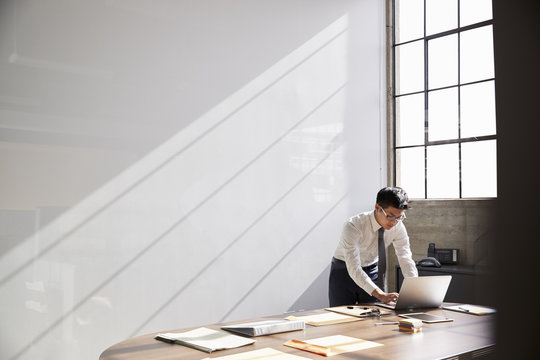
(342,290)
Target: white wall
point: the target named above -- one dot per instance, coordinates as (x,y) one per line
(168,164)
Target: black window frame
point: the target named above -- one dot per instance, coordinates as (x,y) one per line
(427,143)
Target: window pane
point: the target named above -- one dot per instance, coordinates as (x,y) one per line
(479,169)
(472,12)
(477,54)
(441,15)
(409,20)
(410,120)
(410,171)
(443,114)
(442,171)
(443,61)
(478,109)
(410,67)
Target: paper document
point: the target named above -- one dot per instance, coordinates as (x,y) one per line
(470,309)
(266,327)
(266,353)
(205,339)
(359,311)
(332,345)
(324,318)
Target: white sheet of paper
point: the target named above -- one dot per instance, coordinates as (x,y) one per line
(211,339)
(339,344)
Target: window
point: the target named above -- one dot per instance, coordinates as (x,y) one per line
(444,98)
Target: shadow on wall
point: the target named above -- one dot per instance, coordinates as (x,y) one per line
(79,106)
(216,151)
(316,294)
(142,224)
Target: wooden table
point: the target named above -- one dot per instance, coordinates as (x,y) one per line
(467,334)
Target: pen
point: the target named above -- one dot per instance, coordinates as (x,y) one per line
(463,309)
(388,323)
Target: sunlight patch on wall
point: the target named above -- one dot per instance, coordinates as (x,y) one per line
(227,194)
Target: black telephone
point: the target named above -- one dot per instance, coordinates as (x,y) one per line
(429,262)
(443,256)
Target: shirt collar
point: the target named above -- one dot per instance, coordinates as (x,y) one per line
(374,224)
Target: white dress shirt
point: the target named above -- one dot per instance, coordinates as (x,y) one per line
(358,247)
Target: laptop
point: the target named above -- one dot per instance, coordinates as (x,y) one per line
(421,292)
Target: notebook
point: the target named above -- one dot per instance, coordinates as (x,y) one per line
(421,292)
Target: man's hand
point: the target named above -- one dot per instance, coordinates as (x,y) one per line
(386,298)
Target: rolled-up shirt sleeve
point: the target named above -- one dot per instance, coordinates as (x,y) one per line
(351,244)
(403,251)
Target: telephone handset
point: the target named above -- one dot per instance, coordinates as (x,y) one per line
(429,262)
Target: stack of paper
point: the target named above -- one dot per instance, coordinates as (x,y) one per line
(266,327)
(331,345)
(410,325)
(204,339)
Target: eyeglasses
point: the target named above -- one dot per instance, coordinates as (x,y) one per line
(391,217)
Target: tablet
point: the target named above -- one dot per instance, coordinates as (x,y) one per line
(427,318)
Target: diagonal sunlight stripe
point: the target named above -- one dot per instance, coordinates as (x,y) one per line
(241,235)
(328,212)
(245,95)
(187,215)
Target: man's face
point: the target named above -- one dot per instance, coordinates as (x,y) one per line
(388,217)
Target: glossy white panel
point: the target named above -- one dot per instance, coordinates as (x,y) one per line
(173,164)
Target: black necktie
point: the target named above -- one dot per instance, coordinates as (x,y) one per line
(382,260)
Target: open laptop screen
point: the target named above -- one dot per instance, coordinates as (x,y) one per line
(421,292)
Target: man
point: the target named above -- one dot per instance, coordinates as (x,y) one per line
(354,275)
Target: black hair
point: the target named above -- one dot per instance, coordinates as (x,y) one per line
(393,196)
